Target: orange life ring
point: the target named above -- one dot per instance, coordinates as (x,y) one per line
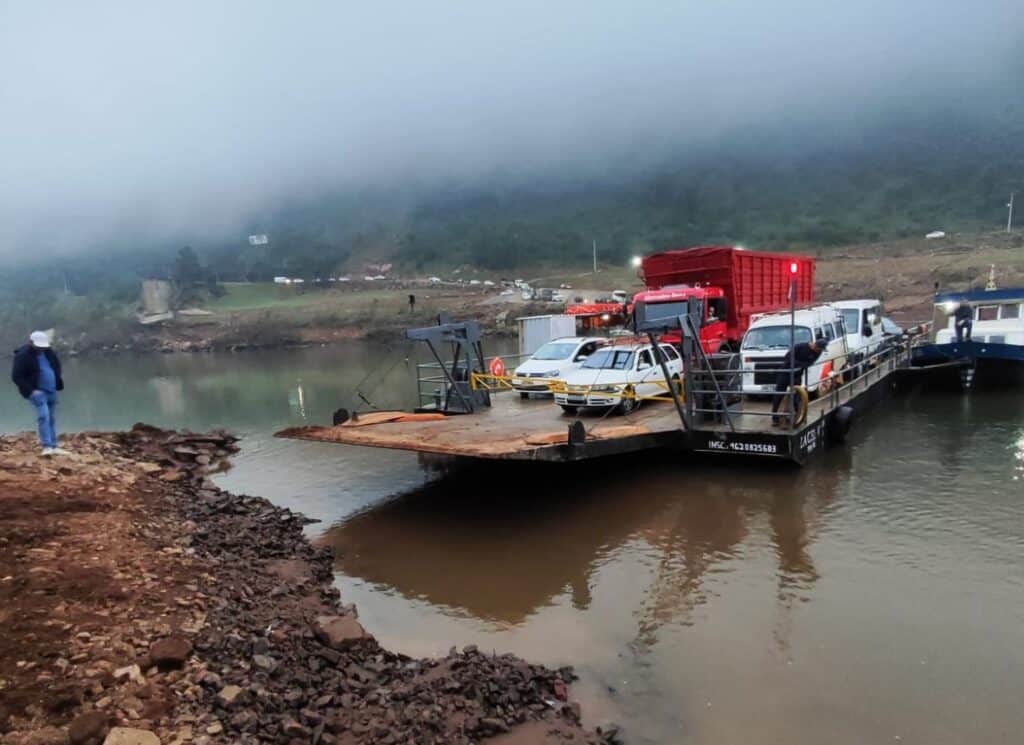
(497,367)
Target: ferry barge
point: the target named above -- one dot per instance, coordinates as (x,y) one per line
(476,413)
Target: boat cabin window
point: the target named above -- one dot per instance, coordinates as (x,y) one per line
(988,312)
(996,339)
(1007,312)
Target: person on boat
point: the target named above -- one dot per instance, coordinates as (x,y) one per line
(803,356)
(36,373)
(963,321)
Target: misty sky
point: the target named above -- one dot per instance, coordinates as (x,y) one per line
(126,117)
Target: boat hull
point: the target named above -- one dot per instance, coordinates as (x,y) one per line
(977,364)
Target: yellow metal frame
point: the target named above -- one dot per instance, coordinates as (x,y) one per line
(494,383)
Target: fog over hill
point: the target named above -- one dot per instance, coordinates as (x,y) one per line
(447,132)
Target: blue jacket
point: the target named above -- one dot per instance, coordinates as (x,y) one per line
(25,371)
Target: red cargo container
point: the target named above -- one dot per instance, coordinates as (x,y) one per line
(734,284)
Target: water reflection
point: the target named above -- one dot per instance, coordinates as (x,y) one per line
(500,543)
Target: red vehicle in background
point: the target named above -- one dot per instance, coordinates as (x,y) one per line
(733,284)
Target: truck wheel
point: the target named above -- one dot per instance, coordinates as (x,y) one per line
(570,410)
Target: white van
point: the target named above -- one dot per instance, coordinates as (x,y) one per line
(767,342)
(864,332)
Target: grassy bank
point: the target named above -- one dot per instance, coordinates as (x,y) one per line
(902,273)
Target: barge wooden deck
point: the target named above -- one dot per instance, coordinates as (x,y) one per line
(510,428)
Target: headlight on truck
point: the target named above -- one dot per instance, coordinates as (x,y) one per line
(606,389)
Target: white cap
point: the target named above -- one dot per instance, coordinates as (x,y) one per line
(40,340)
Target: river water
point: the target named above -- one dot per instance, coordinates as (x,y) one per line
(874,596)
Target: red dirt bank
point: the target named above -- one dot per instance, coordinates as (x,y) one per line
(141,604)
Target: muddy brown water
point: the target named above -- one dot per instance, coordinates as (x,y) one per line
(876,595)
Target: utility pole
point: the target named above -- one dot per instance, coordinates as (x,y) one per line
(595,255)
(1009,217)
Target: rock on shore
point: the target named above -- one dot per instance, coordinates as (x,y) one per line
(142,604)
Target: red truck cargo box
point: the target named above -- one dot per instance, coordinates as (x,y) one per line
(754,281)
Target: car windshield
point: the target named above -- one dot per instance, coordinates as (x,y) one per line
(774,337)
(610,359)
(851,318)
(555,350)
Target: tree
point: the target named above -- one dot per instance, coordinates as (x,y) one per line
(187,269)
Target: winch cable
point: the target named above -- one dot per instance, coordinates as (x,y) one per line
(358,392)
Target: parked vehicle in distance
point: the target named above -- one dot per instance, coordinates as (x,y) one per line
(767,341)
(614,375)
(620,296)
(553,360)
(732,285)
(864,332)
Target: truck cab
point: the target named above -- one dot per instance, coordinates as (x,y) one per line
(767,341)
(672,301)
(863,322)
(731,283)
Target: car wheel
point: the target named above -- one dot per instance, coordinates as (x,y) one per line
(523,395)
(627,405)
(570,410)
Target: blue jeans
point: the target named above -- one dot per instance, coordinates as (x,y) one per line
(45,404)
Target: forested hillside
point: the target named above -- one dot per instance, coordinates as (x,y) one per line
(809,190)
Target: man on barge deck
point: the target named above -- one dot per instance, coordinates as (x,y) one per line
(803,356)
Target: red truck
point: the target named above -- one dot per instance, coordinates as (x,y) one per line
(733,283)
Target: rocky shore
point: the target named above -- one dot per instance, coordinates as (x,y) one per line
(141,604)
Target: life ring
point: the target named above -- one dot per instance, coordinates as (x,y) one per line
(803,401)
(497,367)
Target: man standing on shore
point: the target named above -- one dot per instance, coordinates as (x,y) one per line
(36,372)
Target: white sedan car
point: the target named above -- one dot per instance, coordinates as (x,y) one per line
(554,360)
(610,372)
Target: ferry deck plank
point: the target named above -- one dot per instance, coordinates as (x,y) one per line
(510,428)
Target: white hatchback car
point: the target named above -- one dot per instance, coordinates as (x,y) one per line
(554,360)
(612,371)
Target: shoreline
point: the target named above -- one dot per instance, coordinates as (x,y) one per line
(143,604)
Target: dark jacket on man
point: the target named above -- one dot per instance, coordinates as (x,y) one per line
(964,313)
(25,371)
(804,355)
